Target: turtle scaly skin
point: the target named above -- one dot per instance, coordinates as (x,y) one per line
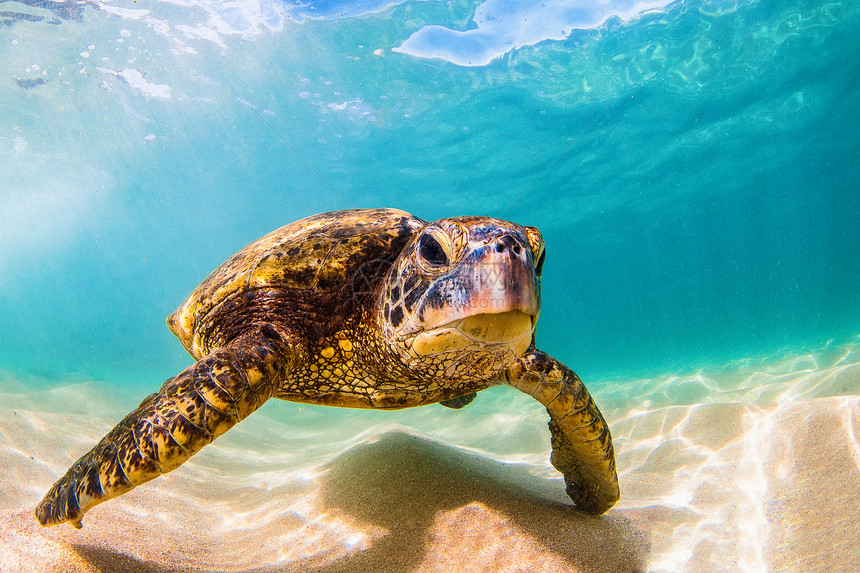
(369,308)
(581,443)
(188,412)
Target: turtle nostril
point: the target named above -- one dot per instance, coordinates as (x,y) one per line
(508,242)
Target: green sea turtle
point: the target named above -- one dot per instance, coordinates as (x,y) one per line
(365,308)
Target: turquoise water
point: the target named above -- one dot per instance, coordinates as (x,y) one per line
(693,167)
(694,171)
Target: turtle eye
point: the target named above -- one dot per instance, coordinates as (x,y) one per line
(431,251)
(539,263)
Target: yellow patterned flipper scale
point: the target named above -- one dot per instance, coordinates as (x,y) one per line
(581,443)
(189,411)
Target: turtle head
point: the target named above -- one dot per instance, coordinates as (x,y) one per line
(462,299)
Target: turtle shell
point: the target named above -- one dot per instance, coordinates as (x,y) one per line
(340,253)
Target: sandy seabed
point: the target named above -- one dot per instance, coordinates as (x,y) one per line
(759,472)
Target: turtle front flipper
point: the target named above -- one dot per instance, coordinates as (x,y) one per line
(581,443)
(189,411)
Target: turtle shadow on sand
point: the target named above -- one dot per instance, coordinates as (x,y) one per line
(424,505)
(109,560)
(402,483)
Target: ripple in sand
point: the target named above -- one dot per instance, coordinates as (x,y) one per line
(759,475)
(396,502)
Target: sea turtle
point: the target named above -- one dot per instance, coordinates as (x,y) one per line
(364,308)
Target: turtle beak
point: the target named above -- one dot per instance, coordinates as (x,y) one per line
(496,278)
(492,297)
(504,279)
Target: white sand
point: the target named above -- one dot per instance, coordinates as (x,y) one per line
(765,485)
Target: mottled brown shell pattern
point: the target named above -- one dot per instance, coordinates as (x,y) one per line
(321,254)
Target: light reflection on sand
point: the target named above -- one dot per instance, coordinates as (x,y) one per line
(751,466)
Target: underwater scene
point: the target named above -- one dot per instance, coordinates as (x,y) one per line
(693,167)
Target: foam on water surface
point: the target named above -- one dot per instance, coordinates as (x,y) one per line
(501,26)
(498,27)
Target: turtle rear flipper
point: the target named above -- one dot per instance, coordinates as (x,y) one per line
(189,411)
(581,443)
